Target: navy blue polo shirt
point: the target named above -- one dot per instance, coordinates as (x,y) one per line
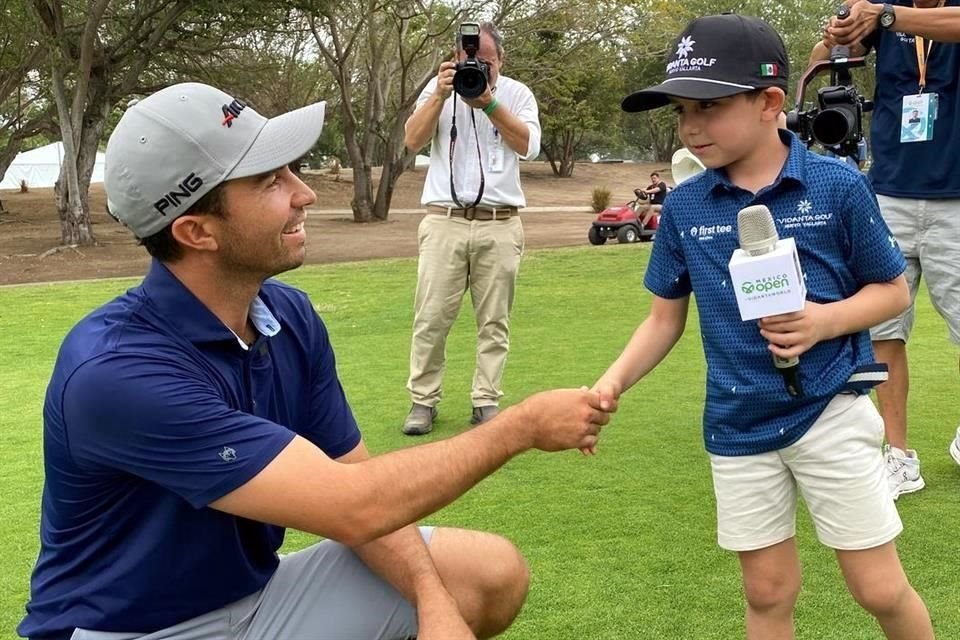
(917,169)
(154,410)
(843,243)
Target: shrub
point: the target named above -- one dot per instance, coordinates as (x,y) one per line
(600,199)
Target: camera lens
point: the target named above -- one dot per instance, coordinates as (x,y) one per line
(469,82)
(833,126)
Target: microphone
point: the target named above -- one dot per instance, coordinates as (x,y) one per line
(758,236)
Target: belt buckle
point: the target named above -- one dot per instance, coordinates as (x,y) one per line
(470,213)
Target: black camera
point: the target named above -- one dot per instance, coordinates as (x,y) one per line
(472,75)
(837,120)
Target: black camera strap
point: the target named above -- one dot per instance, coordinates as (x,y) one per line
(453,145)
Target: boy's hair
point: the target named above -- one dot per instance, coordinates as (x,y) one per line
(654,174)
(718,57)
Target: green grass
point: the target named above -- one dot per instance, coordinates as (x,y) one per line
(621,545)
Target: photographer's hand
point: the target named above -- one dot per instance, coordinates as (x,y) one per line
(482,101)
(445,79)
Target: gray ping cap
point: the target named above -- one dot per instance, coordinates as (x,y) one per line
(170,149)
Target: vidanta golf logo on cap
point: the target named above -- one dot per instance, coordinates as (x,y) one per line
(683,63)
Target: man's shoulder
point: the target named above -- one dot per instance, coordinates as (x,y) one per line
(508,84)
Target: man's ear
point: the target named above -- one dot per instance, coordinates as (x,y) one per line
(198,233)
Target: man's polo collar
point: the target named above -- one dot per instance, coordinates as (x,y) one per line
(794,169)
(189,317)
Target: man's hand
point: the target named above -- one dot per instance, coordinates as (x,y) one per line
(481,101)
(792,334)
(438,618)
(563,419)
(863,20)
(445,79)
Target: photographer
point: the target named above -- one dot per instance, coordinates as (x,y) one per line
(917,68)
(472,234)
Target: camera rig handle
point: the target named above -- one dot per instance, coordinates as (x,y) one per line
(839,69)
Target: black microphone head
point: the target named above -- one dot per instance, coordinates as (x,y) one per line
(756,230)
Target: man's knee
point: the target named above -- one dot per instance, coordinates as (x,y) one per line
(509,572)
(485,573)
(485,563)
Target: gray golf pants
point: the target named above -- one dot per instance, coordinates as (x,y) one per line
(323,592)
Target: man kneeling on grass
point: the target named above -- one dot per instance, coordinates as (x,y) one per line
(190,420)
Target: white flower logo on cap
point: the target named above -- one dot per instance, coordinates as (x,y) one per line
(685,46)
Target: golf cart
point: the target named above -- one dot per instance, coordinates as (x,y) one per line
(623,223)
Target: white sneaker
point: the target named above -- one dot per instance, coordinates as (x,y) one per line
(955,447)
(903,470)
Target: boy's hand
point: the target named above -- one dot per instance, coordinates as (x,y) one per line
(792,334)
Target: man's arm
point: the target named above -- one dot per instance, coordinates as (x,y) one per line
(403,560)
(303,489)
(422,123)
(520,130)
(515,132)
(650,344)
(941,25)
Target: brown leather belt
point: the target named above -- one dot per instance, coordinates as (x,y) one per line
(474,213)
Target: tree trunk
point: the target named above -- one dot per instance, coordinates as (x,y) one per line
(75,226)
(547,148)
(396,160)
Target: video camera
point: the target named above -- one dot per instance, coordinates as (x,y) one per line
(837,122)
(472,75)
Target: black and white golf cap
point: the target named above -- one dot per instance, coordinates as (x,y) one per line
(716,57)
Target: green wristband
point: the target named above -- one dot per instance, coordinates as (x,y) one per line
(490,107)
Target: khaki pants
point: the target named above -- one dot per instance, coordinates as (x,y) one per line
(455,254)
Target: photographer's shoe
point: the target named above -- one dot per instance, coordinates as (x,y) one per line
(420,420)
(903,471)
(955,447)
(484,414)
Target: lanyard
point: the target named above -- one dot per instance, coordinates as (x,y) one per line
(923,54)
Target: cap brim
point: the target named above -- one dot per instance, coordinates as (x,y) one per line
(689,88)
(284,139)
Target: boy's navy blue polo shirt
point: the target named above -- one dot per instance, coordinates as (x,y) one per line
(924,170)
(844,244)
(155,409)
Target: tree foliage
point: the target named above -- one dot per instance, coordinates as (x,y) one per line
(70,65)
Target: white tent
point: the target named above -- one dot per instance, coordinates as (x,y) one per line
(41,167)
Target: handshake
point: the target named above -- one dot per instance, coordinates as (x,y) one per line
(561,419)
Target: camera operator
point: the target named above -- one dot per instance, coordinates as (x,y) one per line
(472,234)
(918,187)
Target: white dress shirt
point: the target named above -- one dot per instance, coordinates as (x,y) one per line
(501,165)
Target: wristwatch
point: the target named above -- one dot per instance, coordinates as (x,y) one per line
(887,16)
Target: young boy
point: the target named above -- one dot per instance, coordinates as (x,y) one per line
(727,82)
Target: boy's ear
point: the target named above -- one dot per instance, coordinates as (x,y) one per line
(774,100)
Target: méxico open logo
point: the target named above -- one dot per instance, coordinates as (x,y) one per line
(768,284)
